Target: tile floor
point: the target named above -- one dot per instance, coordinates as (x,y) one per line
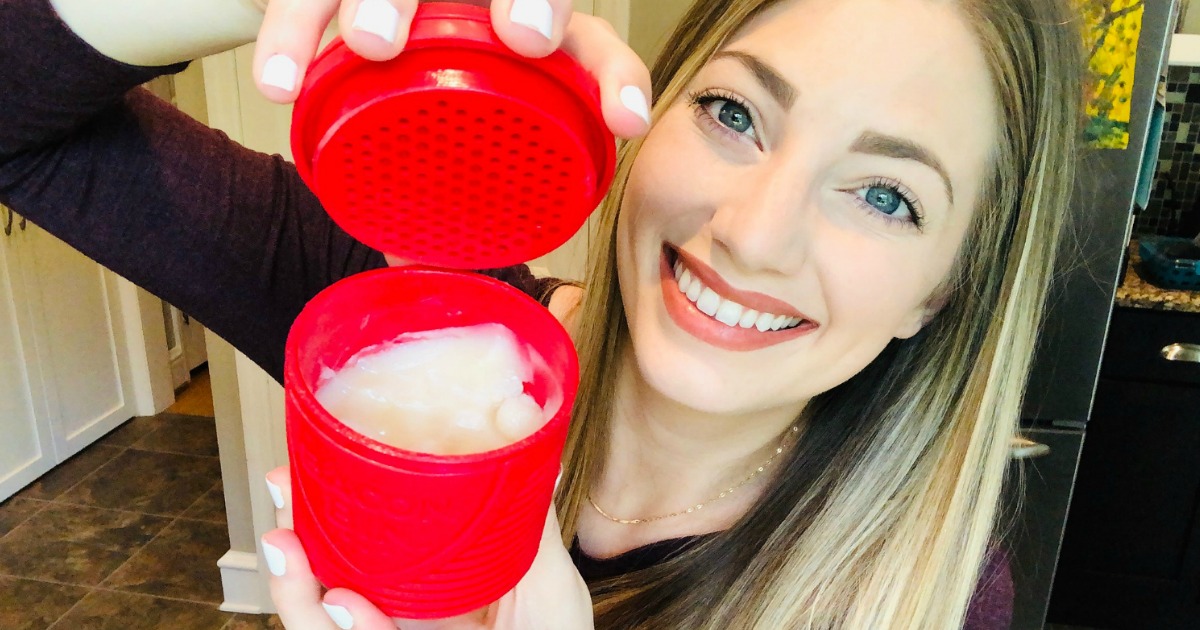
(126,535)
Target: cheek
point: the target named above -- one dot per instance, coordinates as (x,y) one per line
(872,286)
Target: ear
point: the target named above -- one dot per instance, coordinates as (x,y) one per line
(922,315)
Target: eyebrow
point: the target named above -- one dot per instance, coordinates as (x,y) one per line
(873,143)
(773,82)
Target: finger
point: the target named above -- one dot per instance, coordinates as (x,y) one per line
(287,42)
(296,593)
(376,29)
(533,28)
(351,610)
(279,486)
(624,80)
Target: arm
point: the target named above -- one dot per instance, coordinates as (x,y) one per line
(162,32)
(231,236)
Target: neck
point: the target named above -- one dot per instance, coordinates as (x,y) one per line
(665,456)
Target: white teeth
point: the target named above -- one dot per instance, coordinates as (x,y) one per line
(709,302)
(729,313)
(726,311)
(764,322)
(685,281)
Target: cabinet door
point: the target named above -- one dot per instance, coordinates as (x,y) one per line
(27,450)
(81,341)
(1130,555)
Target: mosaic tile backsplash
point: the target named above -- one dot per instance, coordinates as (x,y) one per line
(1174,207)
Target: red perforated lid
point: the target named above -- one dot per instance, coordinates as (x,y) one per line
(459,152)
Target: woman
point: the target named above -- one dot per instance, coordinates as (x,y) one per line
(806,329)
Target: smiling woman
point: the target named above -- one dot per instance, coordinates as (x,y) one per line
(844,216)
(808,319)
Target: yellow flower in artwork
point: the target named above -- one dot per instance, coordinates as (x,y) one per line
(1113,28)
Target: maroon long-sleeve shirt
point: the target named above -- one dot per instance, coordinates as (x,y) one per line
(231,236)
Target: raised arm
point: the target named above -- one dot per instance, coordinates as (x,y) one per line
(227,234)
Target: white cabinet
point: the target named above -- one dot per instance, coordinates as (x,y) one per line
(27,450)
(64,356)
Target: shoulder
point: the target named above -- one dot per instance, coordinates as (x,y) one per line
(564,305)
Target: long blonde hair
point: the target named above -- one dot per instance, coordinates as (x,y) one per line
(883,514)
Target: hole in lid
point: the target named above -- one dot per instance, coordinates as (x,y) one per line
(442,121)
(423,112)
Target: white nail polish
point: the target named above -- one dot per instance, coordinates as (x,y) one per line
(276,563)
(536,14)
(340,616)
(280,71)
(276,495)
(377,17)
(635,101)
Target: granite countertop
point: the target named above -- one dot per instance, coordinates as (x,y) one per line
(1138,293)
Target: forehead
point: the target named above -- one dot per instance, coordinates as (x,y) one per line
(907,67)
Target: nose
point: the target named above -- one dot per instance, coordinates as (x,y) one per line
(764,221)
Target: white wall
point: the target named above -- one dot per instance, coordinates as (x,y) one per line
(651,22)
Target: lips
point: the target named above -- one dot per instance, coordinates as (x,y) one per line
(736,319)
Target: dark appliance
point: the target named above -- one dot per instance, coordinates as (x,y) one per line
(1067,364)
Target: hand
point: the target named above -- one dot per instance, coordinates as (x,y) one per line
(551,596)
(292,29)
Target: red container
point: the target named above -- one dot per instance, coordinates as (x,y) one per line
(419,535)
(459,152)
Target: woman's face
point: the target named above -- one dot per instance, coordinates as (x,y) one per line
(823,169)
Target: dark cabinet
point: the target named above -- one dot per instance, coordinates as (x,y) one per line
(1130,555)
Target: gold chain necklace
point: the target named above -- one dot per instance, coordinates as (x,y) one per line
(695,508)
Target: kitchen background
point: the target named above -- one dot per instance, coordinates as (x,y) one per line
(1107,534)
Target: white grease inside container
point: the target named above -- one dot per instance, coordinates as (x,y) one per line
(452,391)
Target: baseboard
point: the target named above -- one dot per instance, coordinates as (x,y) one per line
(243,585)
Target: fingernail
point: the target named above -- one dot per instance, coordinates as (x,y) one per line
(276,495)
(280,72)
(340,616)
(275,560)
(536,14)
(377,17)
(635,101)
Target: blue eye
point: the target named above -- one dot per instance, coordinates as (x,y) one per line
(886,199)
(734,116)
(726,113)
(890,201)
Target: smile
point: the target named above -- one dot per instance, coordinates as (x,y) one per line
(701,303)
(725,310)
